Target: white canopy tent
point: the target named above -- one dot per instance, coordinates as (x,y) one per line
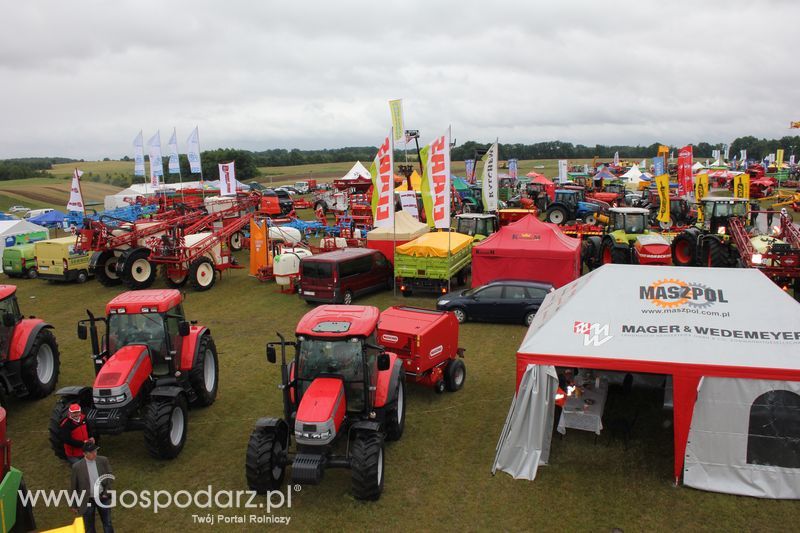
(697,166)
(634,175)
(734,365)
(358,171)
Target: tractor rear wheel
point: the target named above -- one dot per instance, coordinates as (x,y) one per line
(41,364)
(366,462)
(591,252)
(136,271)
(715,255)
(396,417)
(165,426)
(105,269)
(236,241)
(606,252)
(58,414)
(556,215)
(684,249)
(455,374)
(264,466)
(621,255)
(173,280)
(202,274)
(204,375)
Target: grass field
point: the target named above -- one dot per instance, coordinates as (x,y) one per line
(37,193)
(437,476)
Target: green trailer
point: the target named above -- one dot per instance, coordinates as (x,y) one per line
(20,261)
(432,262)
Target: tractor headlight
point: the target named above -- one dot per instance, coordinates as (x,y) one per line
(757,259)
(721,230)
(106,400)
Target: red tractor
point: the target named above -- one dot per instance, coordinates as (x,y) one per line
(342,396)
(29,358)
(150,365)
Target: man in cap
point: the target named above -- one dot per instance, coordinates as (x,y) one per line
(92,477)
(74,433)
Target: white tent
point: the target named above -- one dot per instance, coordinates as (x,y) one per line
(697,166)
(14,232)
(358,171)
(734,366)
(634,175)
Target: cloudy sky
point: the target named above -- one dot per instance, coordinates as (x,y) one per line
(80,79)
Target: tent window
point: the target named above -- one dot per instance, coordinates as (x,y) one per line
(774,433)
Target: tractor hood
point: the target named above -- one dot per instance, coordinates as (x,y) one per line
(121,377)
(321,412)
(653,249)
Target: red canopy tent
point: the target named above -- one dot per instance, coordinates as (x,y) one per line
(549,186)
(527,249)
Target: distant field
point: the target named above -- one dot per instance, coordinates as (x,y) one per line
(37,193)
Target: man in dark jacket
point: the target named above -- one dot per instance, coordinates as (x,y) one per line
(92,477)
(74,433)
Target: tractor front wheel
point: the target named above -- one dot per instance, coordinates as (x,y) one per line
(366,462)
(105,269)
(621,255)
(396,417)
(202,274)
(455,374)
(165,426)
(58,414)
(204,375)
(41,365)
(715,255)
(264,466)
(606,252)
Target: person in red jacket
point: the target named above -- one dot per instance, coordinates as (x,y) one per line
(74,433)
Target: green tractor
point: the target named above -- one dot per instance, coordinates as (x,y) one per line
(476,225)
(627,241)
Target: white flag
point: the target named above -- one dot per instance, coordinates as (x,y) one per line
(643,164)
(138,155)
(382,174)
(75,197)
(174,161)
(156,164)
(436,181)
(562,170)
(616,159)
(227,179)
(743,155)
(193,152)
(489,180)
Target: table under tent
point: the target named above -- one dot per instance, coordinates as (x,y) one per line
(728,339)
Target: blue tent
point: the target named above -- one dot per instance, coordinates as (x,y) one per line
(50,219)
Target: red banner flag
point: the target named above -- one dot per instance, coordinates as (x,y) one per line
(685,184)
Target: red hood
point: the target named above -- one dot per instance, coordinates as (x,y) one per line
(323,401)
(128,364)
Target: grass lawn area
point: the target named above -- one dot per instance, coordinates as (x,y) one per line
(437,475)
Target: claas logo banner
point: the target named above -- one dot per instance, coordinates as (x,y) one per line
(700,192)
(382,173)
(662,184)
(436,181)
(741,186)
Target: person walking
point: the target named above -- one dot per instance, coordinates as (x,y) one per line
(74,433)
(92,477)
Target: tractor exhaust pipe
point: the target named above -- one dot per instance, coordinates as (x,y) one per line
(287,407)
(93,335)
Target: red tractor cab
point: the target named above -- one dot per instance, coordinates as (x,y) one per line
(427,342)
(29,357)
(343,396)
(150,365)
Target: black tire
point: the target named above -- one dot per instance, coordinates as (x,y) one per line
(263,465)
(556,215)
(366,462)
(621,255)
(136,270)
(105,269)
(161,441)
(606,252)
(82,277)
(40,366)
(204,375)
(347,298)
(461,277)
(455,374)
(591,251)
(461,315)
(396,417)
(236,241)
(202,274)
(406,293)
(529,316)
(58,414)
(32,273)
(684,249)
(172,281)
(714,254)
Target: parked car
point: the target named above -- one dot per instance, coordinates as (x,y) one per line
(287,188)
(36,212)
(498,301)
(20,261)
(17,209)
(342,275)
(58,260)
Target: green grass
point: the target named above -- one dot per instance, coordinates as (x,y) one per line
(437,476)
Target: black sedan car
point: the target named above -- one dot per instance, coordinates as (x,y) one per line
(498,301)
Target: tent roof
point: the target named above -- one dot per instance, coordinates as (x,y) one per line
(697,166)
(15,226)
(526,235)
(416,183)
(539,178)
(405,228)
(634,174)
(51,217)
(716,325)
(435,244)
(358,171)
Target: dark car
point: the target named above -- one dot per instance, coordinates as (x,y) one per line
(498,301)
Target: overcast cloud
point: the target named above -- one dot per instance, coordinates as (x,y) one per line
(80,79)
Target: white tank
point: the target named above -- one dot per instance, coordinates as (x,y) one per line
(329,243)
(215,204)
(285,234)
(287,264)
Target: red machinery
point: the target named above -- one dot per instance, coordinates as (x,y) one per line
(150,365)
(427,342)
(342,395)
(29,357)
